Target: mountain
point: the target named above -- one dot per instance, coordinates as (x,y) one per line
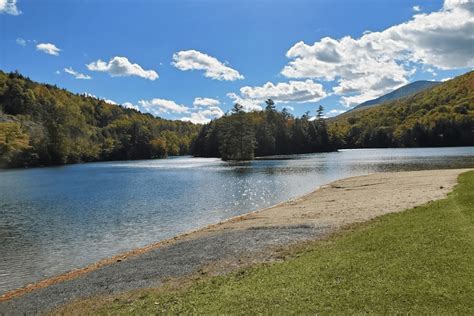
(401,92)
(442,115)
(42,125)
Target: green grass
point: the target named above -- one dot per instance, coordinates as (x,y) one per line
(418,261)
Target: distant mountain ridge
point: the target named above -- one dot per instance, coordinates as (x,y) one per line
(439,116)
(401,92)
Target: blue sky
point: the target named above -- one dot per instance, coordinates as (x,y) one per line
(194,59)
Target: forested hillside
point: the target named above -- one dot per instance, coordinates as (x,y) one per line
(44,125)
(439,116)
(242,136)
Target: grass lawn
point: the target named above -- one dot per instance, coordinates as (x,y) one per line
(418,261)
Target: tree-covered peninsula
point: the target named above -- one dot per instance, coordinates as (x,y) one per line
(242,136)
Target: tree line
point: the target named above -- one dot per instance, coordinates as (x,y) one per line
(242,135)
(43,125)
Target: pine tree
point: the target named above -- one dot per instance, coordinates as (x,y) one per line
(237,138)
(270,106)
(319,112)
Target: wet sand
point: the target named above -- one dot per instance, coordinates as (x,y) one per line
(242,240)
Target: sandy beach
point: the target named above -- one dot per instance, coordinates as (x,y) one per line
(239,241)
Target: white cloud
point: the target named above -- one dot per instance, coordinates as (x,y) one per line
(253,98)
(122,67)
(48,48)
(249,105)
(129,105)
(293,91)
(110,101)
(160,106)
(289,108)
(204,116)
(213,111)
(194,60)
(57,72)
(20,41)
(416,8)
(446,79)
(455,4)
(360,89)
(205,110)
(202,113)
(9,7)
(196,118)
(206,102)
(76,74)
(379,62)
(335,112)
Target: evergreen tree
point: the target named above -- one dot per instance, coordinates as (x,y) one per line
(237,139)
(319,112)
(270,105)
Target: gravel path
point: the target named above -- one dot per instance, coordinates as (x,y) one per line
(254,235)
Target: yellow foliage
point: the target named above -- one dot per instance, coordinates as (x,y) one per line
(12,138)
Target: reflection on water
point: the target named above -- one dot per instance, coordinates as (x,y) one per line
(55,219)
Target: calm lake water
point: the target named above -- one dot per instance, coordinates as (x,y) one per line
(56,219)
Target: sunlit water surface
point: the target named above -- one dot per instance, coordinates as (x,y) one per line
(56,219)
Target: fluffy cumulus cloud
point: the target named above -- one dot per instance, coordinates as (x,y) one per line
(206,102)
(110,101)
(293,91)
(248,105)
(203,116)
(9,7)
(213,68)
(48,48)
(129,105)
(359,89)
(379,62)
(162,106)
(416,8)
(253,98)
(122,67)
(205,110)
(76,74)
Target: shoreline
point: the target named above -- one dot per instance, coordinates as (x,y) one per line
(69,275)
(310,215)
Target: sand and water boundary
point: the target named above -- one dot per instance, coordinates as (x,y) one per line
(238,241)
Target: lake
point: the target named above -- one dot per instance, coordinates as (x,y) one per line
(55,219)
